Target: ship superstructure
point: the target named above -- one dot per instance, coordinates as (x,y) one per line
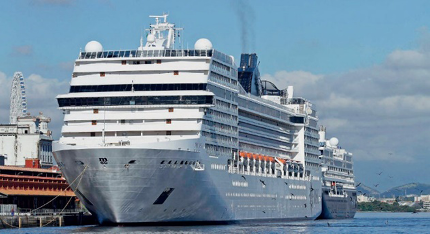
(339,192)
(170,135)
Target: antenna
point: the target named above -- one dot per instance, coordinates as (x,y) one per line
(162,34)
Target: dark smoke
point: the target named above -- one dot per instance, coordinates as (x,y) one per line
(246,16)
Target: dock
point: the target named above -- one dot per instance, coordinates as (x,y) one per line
(46,220)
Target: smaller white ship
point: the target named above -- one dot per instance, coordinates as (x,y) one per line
(339,198)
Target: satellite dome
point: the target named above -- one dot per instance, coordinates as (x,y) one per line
(334,141)
(93,46)
(203,44)
(150,38)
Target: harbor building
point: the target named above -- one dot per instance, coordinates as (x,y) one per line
(28,138)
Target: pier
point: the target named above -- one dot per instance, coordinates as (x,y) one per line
(68,218)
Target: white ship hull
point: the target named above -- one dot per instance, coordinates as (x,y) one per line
(117,193)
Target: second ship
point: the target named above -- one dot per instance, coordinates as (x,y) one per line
(339,198)
(161,134)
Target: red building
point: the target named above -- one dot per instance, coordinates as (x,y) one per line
(30,187)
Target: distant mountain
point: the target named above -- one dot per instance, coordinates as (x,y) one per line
(368,191)
(408,189)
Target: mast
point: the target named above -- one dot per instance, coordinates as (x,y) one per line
(162,34)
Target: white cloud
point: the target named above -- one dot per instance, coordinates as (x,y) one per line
(301,80)
(68,66)
(408,59)
(298,79)
(377,112)
(399,104)
(24,50)
(335,124)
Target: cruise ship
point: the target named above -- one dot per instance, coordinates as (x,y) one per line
(339,199)
(166,134)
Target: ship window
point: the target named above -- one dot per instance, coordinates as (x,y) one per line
(170,162)
(136,62)
(102,74)
(137,87)
(122,121)
(26,131)
(138,100)
(182,162)
(158,61)
(96,111)
(123,62)
(93,134)
(94,122)
(171,109)
(175,73)
(168,133)
(162,162)
(148,62)
(168,121)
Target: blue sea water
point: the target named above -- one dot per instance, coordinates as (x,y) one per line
(362,223)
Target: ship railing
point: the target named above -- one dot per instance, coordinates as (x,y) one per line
(269,104)
(236,170)
(145,54)
(242,171)
(27,211)
(156,53)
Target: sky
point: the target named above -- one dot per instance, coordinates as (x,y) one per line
(364,64)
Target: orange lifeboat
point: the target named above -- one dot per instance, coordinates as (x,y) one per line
(282,160)
(260,157)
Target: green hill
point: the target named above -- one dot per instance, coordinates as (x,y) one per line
(368,191)
(408,189)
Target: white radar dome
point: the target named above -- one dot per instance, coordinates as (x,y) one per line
(203,44)
(93,46)
(334,141)
(150,38)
